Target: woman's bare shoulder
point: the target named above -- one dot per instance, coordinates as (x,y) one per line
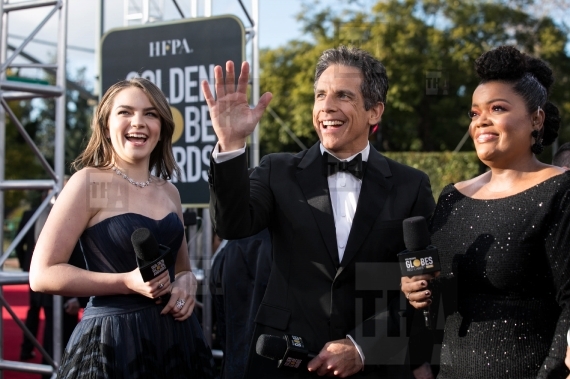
(473,183)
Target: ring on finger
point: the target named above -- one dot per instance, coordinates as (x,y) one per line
(160,286)
(408,295)
(180,303)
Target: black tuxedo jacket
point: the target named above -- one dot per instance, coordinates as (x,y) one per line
(310,292)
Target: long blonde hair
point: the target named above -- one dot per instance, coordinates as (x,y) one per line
(99,151)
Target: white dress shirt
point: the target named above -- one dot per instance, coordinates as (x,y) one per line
(344,192)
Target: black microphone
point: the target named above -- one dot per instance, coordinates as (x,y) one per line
(420,256)
(153,259)
(289,350)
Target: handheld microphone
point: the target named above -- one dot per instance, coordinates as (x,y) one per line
(289,350)
(420,257)
(153,259)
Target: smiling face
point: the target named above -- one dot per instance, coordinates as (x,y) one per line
(133,126)
(500,126)
(339,116)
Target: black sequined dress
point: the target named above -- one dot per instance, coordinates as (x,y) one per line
(124,336)
(505,282)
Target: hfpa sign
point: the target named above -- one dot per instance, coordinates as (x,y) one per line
(177,56)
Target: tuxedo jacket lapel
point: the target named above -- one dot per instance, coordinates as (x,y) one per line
(315,187)
(373,195)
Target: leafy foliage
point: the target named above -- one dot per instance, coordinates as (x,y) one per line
(21,163)
(288,74)
(442,168)
(77,124)
(417,40)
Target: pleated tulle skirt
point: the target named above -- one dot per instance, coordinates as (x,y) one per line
(127,337)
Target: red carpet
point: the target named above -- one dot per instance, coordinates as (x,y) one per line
(17,297)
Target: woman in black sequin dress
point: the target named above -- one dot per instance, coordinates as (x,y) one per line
(130,329)
(504,236)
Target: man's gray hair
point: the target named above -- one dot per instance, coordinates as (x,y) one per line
(374,79)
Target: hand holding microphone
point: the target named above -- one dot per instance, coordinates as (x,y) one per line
(417,264)
(291,353)
(289,350)
(153,261)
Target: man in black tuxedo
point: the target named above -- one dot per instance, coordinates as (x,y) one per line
(335,221)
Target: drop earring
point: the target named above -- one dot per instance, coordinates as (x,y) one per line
(537,146)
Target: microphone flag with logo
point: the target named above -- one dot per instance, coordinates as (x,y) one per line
(420,256)
(289,350)
(153,259)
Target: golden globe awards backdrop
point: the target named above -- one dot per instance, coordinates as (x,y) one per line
(177,56)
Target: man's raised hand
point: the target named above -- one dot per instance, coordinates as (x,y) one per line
(232,118)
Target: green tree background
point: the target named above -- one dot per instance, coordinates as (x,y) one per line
(415,39)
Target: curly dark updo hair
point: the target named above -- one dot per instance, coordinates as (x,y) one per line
(530,77)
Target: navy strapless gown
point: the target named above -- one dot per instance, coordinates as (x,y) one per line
(124,336)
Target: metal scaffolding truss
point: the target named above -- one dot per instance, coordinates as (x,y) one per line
(10,56)
(143,11)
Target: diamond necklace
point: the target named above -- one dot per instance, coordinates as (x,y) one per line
(126,177)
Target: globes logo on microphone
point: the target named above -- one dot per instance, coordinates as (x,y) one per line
(297,341)
(291,361)
(420,256)
(158,267)
(152,258)
(415,263)
(289,350)
(419,262)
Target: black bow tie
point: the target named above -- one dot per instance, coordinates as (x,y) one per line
(334,165)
